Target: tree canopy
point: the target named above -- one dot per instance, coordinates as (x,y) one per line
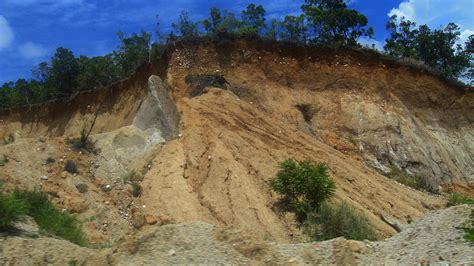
(322,22)
(437,48)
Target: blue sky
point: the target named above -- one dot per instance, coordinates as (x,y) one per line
(30,30)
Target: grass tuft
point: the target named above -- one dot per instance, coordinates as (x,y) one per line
(50,219)
(331,221)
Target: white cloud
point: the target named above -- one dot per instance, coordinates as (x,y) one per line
(438,13)
(30,50)
(6,33)
(371,43)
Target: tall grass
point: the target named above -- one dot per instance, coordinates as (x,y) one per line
(331,221)
(50,219)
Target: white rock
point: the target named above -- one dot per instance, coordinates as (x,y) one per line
(172,252)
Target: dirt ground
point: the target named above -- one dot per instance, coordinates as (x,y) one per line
(210,155)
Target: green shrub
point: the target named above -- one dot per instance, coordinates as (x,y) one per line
(49,218)
(10,138)
(331,221)
(11,210)
(416,182)
(304,185)
(132,176)
(469,229)
(458,199)
(71,167)
(136,189)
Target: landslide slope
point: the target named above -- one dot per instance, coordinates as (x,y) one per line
(241,108)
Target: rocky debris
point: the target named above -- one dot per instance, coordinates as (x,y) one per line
(434,239)
(82,188)
(64,174)
(106,188)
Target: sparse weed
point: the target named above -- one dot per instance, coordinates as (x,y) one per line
(417,182)
(3,160)
(458,199)
(71,167)
(136,189)
(10,138)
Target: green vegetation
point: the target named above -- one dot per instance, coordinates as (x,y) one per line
(3,160)
(331,221)
(458,199)
(10,138)
(469,229)
(305,187)
(436,48)
(416,182)
(11,210)
(50,219)
(71,167)
(37,205)
(322,22)
(133,178)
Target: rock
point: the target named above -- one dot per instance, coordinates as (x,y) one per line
(354,246)
(172,252)
(151,219)
(82,188)
(138,221)
(43,177)
(106,188)
(164,219)
(64,175)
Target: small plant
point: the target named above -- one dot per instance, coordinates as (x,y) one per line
(417,182)
(458,199)
(304,185)
(10,138)
(469,229)
(3,160)
(11,210)
(50,160)
(50,219)
(71,167)
(136,189)
(307,110)
(132,176)
(331,221)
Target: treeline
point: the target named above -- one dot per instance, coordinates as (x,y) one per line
(321,22)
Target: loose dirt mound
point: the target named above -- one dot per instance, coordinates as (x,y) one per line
(432,239)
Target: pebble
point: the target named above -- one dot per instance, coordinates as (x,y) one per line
(106,188)
(172,252)
(44,177)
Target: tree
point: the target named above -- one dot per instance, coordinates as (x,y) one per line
(402,38)
(185,27)
(98,71)
(133,52)
(64,72)
(253,20)
(304,185)
(293,29)
(438,48)
(213,24)
(330,21)
(6,95)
